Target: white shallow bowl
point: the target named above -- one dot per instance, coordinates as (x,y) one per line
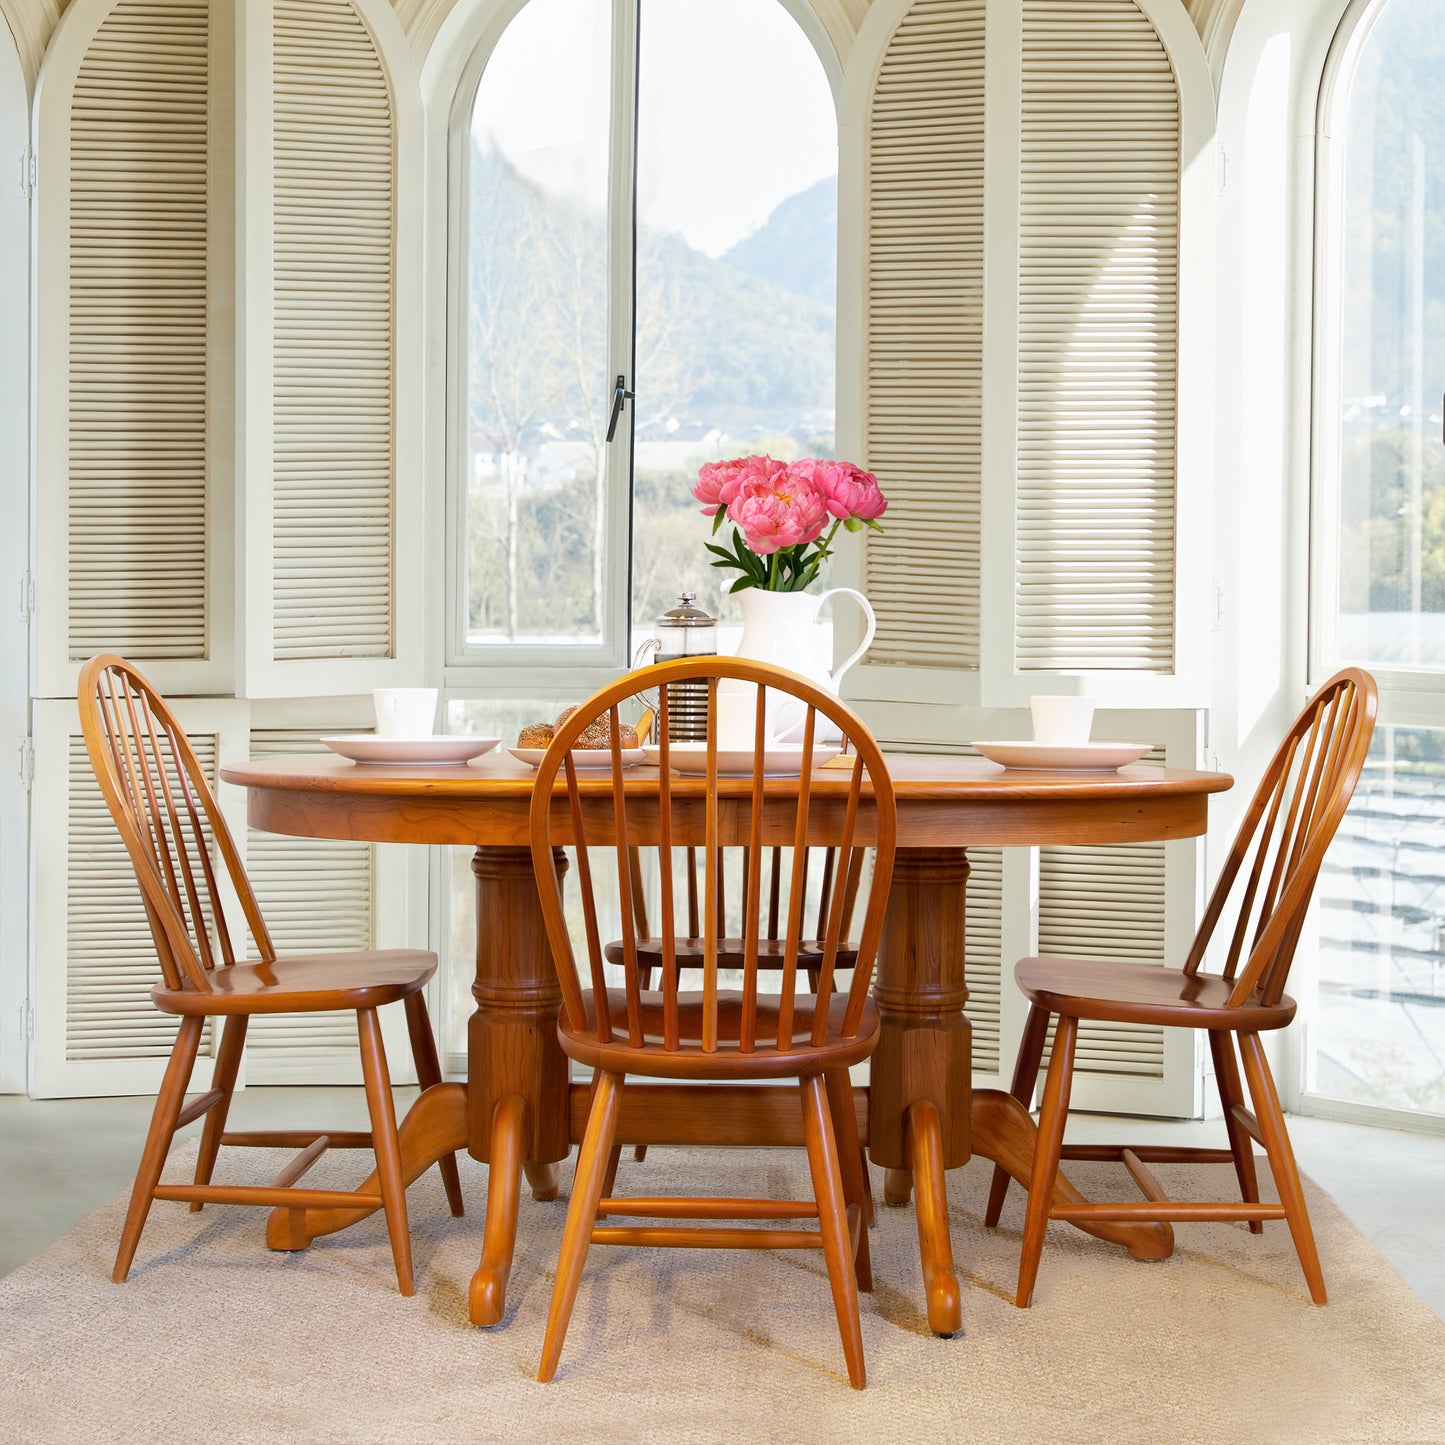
(779,761)
(1082,757)
(584,759)
(368,748)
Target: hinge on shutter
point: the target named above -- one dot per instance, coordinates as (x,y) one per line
(29,1022)
(27,172)
(27,596)
(1222,171)
(27,762)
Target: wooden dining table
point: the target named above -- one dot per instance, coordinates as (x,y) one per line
(519,1110)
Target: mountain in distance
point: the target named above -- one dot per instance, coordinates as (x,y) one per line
(796,248)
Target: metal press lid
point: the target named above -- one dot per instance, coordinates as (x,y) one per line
(685,614)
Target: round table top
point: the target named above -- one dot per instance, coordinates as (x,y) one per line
(943,800)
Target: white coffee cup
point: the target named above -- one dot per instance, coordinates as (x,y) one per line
(405,712)
(1062,720)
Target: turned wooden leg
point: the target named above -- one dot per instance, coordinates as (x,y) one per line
(158,1140)
(429,1073)
(833,1222)
(1231,1097)
(1281,1161)
(1026,1077)
(544,1180)
(384,1141)
(581,1216)
(487,1300)
(1053,1115)
(897,1187)
(223,1078)
(935,1244)
(854,1165)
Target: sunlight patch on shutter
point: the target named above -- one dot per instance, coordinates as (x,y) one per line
(137,380)
(1098,335)
(334,421)
(924,334)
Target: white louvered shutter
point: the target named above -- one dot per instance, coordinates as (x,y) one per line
(1112,903)
(923,334)
(97,1031)
(317,895)
(124,518)
(1099,171)
(333,584)
(984,958)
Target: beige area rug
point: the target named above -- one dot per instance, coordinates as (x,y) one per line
(214,1338)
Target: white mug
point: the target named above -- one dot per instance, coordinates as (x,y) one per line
(1062,720)
(405,712)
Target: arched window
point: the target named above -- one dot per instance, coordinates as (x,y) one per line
(649,270)
(1378,556)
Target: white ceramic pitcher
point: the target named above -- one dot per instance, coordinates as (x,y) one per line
(782,628)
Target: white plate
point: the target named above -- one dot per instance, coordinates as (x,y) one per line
(779,761)
(585,759)
(368,748)
(1084,757)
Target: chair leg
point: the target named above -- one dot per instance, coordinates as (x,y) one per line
(158,1140)
(385,1144)
(228,1065)
(429,1072)
(833,1223)
(609,1178)
(1025,1080)
(853,1166)
(581,1215)
(1052,1115)
(1281,1161)
(1231,1097)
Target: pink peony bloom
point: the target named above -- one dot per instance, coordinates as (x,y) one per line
(778,509)
(848,491)
(718,482)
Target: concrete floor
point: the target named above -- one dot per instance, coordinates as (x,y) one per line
(61,1158)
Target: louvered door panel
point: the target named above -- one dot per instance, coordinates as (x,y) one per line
(983,954)
(317,896)
(110,963)
(923,333)
(334,420)
(1107,903)
(137,366)
(1098,336)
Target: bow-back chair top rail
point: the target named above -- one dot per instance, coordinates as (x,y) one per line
(1250,930)
(749,1032)
(185,858)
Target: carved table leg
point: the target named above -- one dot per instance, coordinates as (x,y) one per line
(924,1057)
(517,1075)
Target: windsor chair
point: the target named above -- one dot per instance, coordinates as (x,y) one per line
(1287,828)
(182,850)
(713,1033)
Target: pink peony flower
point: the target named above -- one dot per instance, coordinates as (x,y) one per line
(718,482)
(848,491)
(778,509)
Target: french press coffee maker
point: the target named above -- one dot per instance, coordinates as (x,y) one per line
(685,631)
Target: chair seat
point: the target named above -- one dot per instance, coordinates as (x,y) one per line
(306,983)
(1090,988)
(691,1061)
(771,951)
